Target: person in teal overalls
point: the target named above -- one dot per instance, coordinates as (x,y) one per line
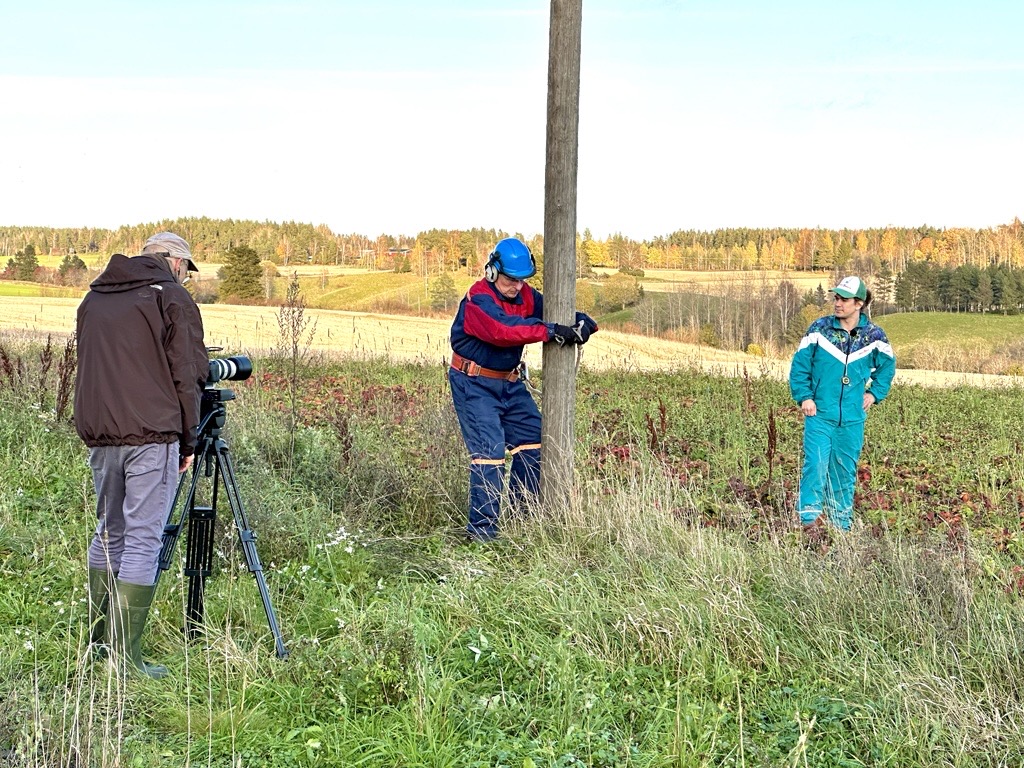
(843,366)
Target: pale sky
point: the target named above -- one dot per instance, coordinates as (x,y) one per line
(396,116)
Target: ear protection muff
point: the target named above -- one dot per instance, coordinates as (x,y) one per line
(490,270)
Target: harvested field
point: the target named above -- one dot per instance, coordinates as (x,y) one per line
(254,330)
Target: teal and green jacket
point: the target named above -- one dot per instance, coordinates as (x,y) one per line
(834,367)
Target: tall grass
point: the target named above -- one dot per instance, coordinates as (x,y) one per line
(668,614)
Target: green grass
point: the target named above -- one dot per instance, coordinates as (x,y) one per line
(369,292)
(667,615)
(22,288)
(989,343)
(909,328)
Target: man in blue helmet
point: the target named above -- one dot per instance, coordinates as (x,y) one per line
(499,315)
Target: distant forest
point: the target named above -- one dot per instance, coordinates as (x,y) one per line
(920,268)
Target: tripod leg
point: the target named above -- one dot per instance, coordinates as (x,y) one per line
(198,564)
(172,529)
(247,538)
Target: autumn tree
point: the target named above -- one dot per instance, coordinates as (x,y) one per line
(780,254)
(584,246)
(804,250)
(269,274)
(593,253)
(888,249)
(825,253)
(620,290)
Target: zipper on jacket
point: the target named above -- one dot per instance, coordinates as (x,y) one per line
(845,382)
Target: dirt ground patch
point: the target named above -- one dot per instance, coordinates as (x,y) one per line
(254,330)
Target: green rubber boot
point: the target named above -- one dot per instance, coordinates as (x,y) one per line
(99,603)
(130,611)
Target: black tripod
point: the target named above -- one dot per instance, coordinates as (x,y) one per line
(212,461)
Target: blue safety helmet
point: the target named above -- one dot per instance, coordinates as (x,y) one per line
(510,257)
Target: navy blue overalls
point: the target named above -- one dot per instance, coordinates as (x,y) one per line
(497,414)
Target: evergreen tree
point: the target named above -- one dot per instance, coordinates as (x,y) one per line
(24,264)
(983,292)
(963,284)
(885,284)
(71,270)
(1011,293)
(242,275)
(844,254)
(443,295)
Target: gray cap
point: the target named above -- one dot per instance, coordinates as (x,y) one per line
(172,245)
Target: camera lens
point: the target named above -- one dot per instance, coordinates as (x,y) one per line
(235,368)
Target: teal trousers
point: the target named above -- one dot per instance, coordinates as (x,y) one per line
(831,453)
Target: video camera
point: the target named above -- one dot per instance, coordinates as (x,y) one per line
(211,404)
(237,368)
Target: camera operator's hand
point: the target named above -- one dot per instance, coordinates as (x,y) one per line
(564,334)
(184,462)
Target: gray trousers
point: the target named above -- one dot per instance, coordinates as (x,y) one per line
(135,485)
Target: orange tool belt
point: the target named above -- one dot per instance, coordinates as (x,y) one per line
(468,367)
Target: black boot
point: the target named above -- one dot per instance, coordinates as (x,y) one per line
(130,611)
(99,603)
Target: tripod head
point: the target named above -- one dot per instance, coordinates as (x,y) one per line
(212,411)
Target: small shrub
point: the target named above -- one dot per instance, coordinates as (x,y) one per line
(708,336)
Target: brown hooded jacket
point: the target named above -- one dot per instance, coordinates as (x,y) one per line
(141,359)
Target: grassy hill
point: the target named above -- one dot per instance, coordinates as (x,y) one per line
(369,292)
(957,341)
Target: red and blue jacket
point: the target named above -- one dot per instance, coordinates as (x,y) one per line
(491,330)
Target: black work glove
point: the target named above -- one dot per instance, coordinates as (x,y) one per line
(585,326)
(565,334)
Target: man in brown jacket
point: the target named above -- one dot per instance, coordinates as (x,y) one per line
(141,370)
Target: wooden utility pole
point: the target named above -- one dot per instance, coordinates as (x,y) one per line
(559,398)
